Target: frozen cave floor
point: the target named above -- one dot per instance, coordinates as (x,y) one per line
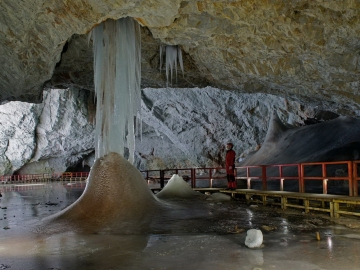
(196,234)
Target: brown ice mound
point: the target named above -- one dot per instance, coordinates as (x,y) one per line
(334,140)
(116,199)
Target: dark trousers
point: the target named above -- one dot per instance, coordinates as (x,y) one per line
(230,177)
(231,181)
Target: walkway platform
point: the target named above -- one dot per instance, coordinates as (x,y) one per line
(202,190)
(332,204)
(208,190)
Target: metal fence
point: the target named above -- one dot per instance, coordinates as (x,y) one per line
(299,175)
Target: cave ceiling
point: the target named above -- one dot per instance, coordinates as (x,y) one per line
(304,50)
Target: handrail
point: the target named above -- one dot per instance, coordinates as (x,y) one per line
(352,175)
(43,177)
(262,172)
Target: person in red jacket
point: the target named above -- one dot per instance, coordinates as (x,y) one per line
(230,166)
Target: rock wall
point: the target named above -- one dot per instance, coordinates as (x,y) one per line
(189,127)
(17,134)
(301,49)
(33,35)
(181,128)
(46,137)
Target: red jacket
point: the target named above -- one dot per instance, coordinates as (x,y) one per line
(230,161)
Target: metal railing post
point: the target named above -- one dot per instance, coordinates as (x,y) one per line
(162,178)
(281,178)
(325,186)
(352,184)
(323,169)
(301,178)
(263,177)
(193,180)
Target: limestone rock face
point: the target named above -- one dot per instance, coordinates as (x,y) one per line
(48,137)
(17,134)
(63,116)
(302,50)
(190,127)
(181,128)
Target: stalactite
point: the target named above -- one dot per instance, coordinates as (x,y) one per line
(173,55)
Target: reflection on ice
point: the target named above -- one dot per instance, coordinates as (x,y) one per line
(250,215)
(329,243)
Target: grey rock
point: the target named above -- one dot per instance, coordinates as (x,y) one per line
(176,131)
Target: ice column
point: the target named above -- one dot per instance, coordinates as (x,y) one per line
(117,75)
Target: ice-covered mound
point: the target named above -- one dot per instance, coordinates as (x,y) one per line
(116,200)
(334,140)
(177,188)
(254,238)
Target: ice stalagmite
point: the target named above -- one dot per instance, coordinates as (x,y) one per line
(116,198)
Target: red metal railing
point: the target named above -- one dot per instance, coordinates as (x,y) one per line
(189,174)
(263,173)
(351,176)
(356,177)
(42,177)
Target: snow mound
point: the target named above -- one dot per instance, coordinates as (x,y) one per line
(254,238)
(177,188)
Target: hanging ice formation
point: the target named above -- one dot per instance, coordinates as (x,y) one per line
(117,75)
(173,54)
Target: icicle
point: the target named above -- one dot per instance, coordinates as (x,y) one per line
(117,75)
(173,55)
(181,60)
(139,126)
(161,55)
